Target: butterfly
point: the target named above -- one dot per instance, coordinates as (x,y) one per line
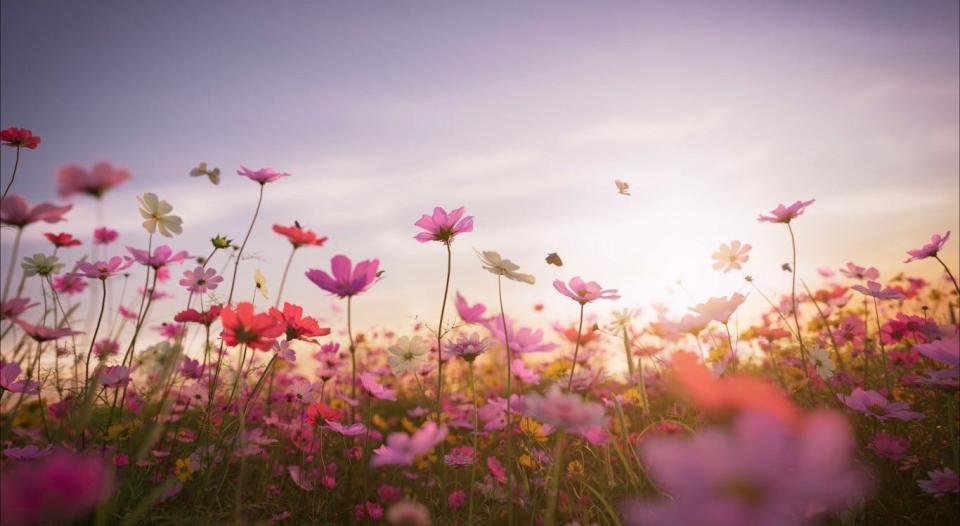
(202,170)
(623,187)
(553,259)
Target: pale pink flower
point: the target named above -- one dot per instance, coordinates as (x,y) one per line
(878,291)
(732,256)
(15,211)
(442,226)
(876,405)
(370,385)
(496,470)
(9,372)
(347,431)
(45,334)
(402,449)
(468,347)
(566,411)
(14,307)
(74,179)
(281,348)
(459,456)
(115,376)
(522,340)
(785,214)
(161,257)
(891,447)
(69,284)
(945,351)
(929,250)
(584,291)
(720,309)
(103,269)
(522,373)
(262,176)
(300,478)
(854,271)
(942,482)
(200,280)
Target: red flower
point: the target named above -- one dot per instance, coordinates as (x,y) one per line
(299,236)
(299,327)
(19,137)
(320,410)
(243,326)
(193,316)
(63,240)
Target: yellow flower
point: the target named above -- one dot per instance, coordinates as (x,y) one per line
(558,369)
(634,396)
(408,426)
(261,281)
(575,468)
(183,469)
(533,428)
(526,461)
(378,421)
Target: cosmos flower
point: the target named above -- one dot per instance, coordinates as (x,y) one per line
(69,284)
(74,179)
(60,489)
(282,351)
(260,283)
(104,236)
(401,449)
(371,386)
(878,291)
(15,211)
(161,257)
(822,362)
(942,482)
(443,227)
(347,280)
(467,313)
(115,376)
(14,307)
(103,269)
(298,326)
(200,280)
(890,447)
(854,271)
(493,263)
(241,325)
(522,340)
(719,309)
(730,257)
(406,355)
(785,214)
(202,170)
(459,456)
(9,372)
(156,216)
(929,250)
(299,236)
(468,347)
(62,240)
(584,292)
(19,138)
(262,176)
(41,265)
(29,452)
(193,316)
(874,404)
(566,411)
(348,430)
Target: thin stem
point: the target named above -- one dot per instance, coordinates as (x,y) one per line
(509,428)
(883,350)
(13,264)
(733,350)
(950,274)
(826,324)
(353,359)
(13,175)
(93,338)
(476,432)
(796,315)
(443,310)
(283,280)
(576,351)
(236,263)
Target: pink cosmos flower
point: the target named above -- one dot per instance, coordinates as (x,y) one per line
(45,334)
(15,211)
(523,340)
(467,347)
(283,352)
(347,431)
(467,313)
(103,269)
(941,482)
(262,176)
(890,447)
(69,284)
(522,373)
(459,456)
(74,179)
(161,257)
(105,347)
(785,214)
(200,280)
(14,307)
(584,292)
(115,376)
(9,372)
(370,385)
(457,499)
(402,449)
(876,405)
(759,472)
(719,309)
(300,478)
(929,250)
(62,240)
(878,291)
(946,350)
(104,236)
(19,138)
(59,489)
(566,411)
(191,368)
(443,227)
(730,257)
(854,271)
(347,280)
(28,452)
(496,470)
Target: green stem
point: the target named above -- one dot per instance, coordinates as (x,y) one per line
(509,427)
(443,310)
(476,453)
(576,351)
(13,264)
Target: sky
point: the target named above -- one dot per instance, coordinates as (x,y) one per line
(523,112)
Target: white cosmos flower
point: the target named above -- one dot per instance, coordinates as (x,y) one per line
(156,215)
(407,354)
(503,267)
(822,361)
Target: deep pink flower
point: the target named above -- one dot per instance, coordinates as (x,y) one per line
(262,176)
(785,214)
(242,326)
(878,291)
(891,447)
(941,482)
(45,334)
(14,307)
(103,269)
(467,313)
(200,280)
(496,470)
(442,226)
(161,257)
(402,449)
(347,280)
(19,138)
(299,236)
(15,211)
(370,385)
(855,271)
(74,179)
(759,472)
(876,405)
(60,489)
(115,376)
(69,284)
(9,372)
(62,240)
(104,236)
(584,292)
(929,250)
(457,498)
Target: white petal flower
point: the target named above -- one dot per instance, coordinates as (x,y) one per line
(495,264)
(407,354)
(156,215)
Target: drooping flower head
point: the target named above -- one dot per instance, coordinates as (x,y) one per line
(161,257)
(299,236)
(785,214)
(493,263)
(241,325)
(15,211)
(42,334)
(14,307)
(74,179)
(19,138)
(584,292)
(731,257)
(347,280)
(929,250)
(443,227)
(878,291)
(262,176)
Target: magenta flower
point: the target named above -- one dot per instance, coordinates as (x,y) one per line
(60,489)
(45,334)
(69,284)
(929,250)
(370,385)
(28,452)
(347,280)
(402,449)
(890,447)
(584,292)
(855,271)
(15,307)
(104,236)
(262,176)
(161,257)
(785,214)
(200,280)
(347,431)
(459,456)
(876,405)
(442,226)
(565,411)
(9,372)
(467,313)
(74,179)
(760,472)
(103,269)
(878,291)
(15,211)
(941,482)
(945,351)
(115,376)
